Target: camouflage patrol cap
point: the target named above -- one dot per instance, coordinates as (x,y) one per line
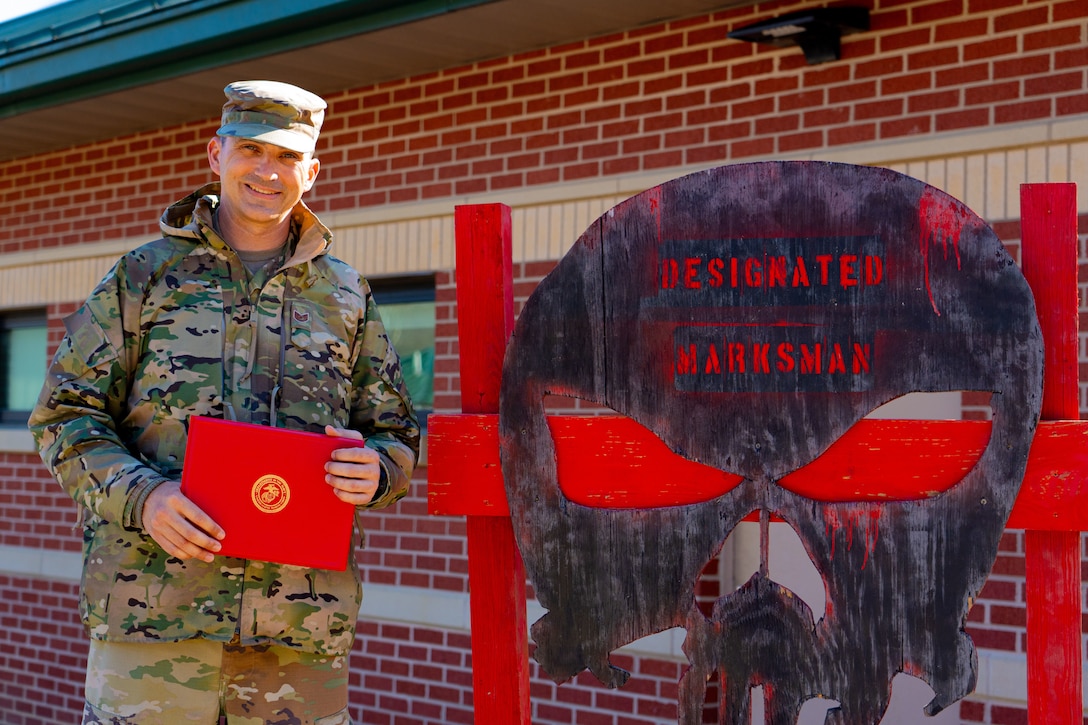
(273,112)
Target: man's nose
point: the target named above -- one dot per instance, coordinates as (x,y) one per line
(266,168)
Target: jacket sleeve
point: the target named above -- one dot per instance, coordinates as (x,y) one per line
(381,408)
(77,418)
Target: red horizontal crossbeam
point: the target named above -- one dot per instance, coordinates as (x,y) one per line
(613,462)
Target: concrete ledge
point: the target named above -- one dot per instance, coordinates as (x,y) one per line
(16,440)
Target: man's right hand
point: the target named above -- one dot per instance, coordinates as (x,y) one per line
(179,526)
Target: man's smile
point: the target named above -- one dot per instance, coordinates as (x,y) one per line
(262,192)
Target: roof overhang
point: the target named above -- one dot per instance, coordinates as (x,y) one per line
(88,70)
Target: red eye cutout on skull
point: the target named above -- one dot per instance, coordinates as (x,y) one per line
(596,470)
(856,466)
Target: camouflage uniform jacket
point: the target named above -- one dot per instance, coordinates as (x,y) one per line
(179,327)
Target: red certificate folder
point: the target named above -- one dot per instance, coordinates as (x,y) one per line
(266,487)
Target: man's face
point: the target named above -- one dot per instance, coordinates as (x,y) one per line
(261,183)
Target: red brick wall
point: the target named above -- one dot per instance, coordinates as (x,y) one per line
(661,97)
(403,674)
(43,652)
(676,95)
(34,511)
(43,648)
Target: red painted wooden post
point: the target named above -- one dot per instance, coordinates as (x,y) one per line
(485,315)
(1048,219)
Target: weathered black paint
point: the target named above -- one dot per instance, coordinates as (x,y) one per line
(949,311)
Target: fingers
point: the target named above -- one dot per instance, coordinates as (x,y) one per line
(179,526)
(354,471)
(357,492)
(343,433)
(354,476)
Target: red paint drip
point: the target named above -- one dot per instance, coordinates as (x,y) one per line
(655,208)
(942,224)
(863,519)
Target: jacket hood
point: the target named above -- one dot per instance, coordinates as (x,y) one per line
(191,217)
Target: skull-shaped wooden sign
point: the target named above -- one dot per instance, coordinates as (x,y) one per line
(749,316)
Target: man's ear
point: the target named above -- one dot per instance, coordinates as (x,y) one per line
(311,173)
(215,147)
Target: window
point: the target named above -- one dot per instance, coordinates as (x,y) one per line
(23,362)
(407,309)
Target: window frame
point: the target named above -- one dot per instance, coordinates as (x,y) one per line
(401,290)
(16,319)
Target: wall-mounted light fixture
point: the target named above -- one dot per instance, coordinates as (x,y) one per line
(817,31)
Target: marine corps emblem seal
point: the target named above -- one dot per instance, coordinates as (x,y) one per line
(271,494)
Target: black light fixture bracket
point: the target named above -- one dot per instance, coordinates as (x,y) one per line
(818,31)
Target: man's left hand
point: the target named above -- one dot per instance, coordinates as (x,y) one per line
(354,472)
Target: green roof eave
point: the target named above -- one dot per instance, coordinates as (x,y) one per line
(74,51)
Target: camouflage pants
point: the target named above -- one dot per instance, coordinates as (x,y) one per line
(196,681)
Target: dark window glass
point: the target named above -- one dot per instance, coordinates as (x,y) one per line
(407,309)
(23,346)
